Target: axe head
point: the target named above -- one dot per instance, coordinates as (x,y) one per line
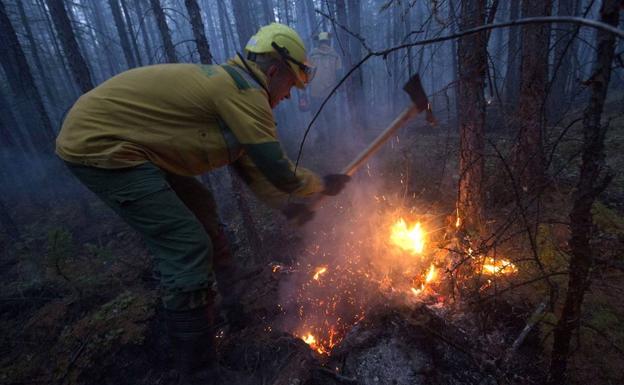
(414,89)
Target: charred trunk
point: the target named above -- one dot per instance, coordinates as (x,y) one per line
(592,181)
(163,29)
(471,108)
(198,31)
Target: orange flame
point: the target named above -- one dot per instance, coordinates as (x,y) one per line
(314,345)
(319,271)
(431,275)
(411,239)
(493,266)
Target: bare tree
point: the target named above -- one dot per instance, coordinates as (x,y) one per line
(198,31)
(529,156)
(147,43)
(23,85)
(592,181)
(163,29)
(76,61)
(131,34)
(512,78)
(471,109)
(34,49)
(122,33)
(244,25)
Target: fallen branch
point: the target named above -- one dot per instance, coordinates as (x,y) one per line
(535,318)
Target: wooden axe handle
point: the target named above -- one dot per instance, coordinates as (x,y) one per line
(382,138)
(400,121)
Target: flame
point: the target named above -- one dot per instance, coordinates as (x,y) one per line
(430,276)
(493,266)
(410,239)
(319,271)
(314,345)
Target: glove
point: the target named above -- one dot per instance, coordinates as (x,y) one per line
(334,183)
(299,212)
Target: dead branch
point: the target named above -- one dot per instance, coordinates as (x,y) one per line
(533,320)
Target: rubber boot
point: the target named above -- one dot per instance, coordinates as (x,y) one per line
(191,333)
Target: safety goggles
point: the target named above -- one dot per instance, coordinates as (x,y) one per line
(307,70)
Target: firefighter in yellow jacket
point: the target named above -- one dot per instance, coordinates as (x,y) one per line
(138,140)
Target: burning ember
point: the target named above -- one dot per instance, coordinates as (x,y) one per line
(411,239)
(430,277)
(319,271)
(493,266)
(360,266)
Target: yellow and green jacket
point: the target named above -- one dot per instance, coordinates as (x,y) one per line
(186,119)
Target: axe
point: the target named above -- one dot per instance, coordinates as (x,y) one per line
(420,103)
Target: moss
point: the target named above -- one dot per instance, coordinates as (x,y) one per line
(608,220)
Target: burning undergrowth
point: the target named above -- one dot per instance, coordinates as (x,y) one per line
(374,251)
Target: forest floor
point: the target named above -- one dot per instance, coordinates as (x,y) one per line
(79,301)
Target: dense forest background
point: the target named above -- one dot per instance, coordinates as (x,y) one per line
(525,159)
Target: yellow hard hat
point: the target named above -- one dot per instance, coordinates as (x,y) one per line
(283,41)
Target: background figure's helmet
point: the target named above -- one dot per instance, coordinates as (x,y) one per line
(324,36)
(285,43)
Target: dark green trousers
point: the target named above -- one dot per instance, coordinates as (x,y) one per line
(177,218)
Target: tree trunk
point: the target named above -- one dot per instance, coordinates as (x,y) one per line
(244,25)
(23,85)
(355,53)
(529,156)
(590,184)
(471,106)
(165,34)
(9,128)
(512,79)
(565,36)
(122,33)
(147,42)
(104,38)
(131,34)
(76,61)
(267,11)
(222,24)
(34,49)
(198,31)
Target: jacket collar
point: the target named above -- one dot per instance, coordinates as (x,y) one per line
(256,72)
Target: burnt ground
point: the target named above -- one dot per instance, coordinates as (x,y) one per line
(80,306)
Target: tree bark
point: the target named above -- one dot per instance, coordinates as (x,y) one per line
(23,85)
(512,78)
(34,49)
(471,106)
(565,37)
(267,11)
(198,31)
(122,33)
(165,34)
(147,43)
(222,23)
(529,156)
(131,34)
(8,124)
(76,61)
(591,183)
(244,25)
